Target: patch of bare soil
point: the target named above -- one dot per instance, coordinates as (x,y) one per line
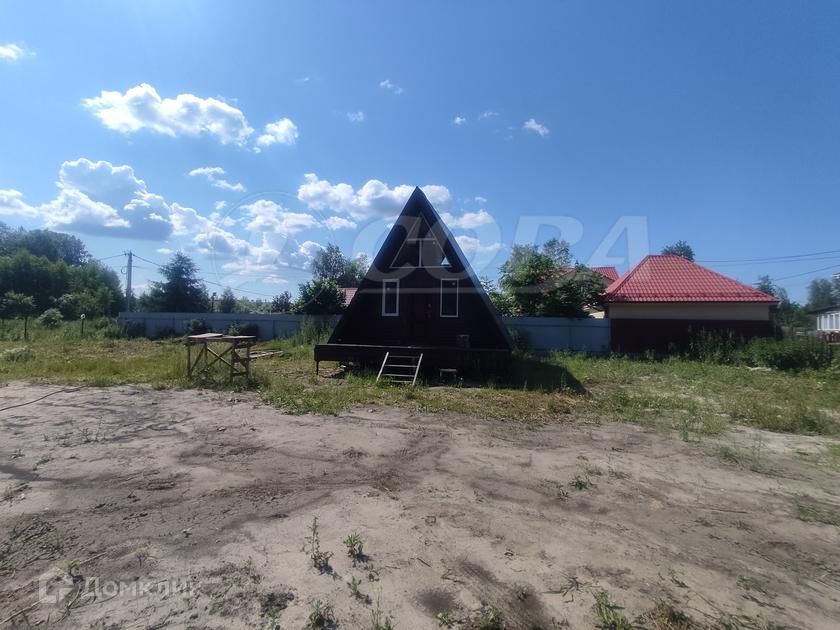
(133,508)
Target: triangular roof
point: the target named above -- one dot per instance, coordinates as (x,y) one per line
(610,273)
(418,211)
(670,278)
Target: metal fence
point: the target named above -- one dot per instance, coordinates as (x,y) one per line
(542,334)
(553,334)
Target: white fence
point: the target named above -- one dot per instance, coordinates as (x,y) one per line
(543,334)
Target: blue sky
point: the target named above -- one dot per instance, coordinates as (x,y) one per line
(622,126)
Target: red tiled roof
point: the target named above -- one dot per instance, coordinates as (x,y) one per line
(668,278)
(348,293)
(610,273)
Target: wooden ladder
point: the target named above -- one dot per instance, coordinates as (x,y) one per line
(400,368)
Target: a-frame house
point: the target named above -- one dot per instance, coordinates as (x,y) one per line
(420,306)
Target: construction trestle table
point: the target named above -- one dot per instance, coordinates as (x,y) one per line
(232,350)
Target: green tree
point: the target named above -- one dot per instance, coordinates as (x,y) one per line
(559,251)
(680,248)
(181,291)
(53,246)
(787,313)
(227,303)
(282,303)
(19,305)
(500,300)
(330,264)
(320,296)
(822,293)
(543,282)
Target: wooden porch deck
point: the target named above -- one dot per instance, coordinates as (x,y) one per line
(434,357)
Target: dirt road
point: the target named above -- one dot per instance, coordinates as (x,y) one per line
(190,509)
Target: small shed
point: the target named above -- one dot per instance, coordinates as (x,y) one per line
(421,302)
(666,300)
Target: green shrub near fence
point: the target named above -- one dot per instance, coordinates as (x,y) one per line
(790,353)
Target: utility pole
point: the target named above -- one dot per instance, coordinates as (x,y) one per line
(128,283)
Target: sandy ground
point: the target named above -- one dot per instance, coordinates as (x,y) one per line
(139,487)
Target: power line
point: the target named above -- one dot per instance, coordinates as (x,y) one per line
(774,261)
(151,262)
(769,258)
(108,257)
(804,273)
(224,286)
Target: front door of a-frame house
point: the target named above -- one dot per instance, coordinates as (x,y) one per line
(420,318)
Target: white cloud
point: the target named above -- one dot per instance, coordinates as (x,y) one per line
(220,205)
(113,185)
(356,117)
(213,174)
(267,216)
(141,107)
(102,199)
(389,85)
(487,114)
(73,210)
(221,243)
(223,220)
(165,251)
(13,52)
(374,198)
(284,131)
(275,280)
(473,247)
(535,127)
(338,223)
(459,120)
(11,202)
(306,252)
(468,220)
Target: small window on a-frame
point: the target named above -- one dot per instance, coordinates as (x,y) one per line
(390,298)
(449,298)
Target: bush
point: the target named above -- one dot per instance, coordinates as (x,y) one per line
(798,353)
(196,327)
(51,318)
(249,330)
(15,355)
(715,347)
(133,330)
(313,330)
(167,333)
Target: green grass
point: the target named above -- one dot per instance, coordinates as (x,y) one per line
(610,616)
(692,398)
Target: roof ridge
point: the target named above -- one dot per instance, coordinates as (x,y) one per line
(622,279)
(670,277)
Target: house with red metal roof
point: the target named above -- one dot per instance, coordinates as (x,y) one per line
(666,300)
(610,273)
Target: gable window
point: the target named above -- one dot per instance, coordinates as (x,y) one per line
(431,254)
(390,298)
(449,298)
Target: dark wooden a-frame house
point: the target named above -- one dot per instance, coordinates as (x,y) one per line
(420,306)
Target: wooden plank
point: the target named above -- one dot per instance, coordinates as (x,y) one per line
(384,361)
(417,371)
